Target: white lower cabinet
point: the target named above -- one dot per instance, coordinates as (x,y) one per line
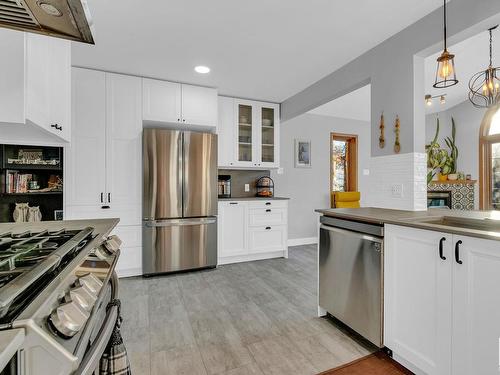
(130,261)
(249,230)
(440,315)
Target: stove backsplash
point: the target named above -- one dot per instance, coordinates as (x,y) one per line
(241,177)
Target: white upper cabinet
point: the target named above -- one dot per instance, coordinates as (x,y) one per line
(170,102)
(123,140)
(225,131)
(85,158)
(161,101)
(36,76)
(248,134)
(199,105)
(104,170)
(12,76)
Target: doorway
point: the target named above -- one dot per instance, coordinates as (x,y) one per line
(343,162)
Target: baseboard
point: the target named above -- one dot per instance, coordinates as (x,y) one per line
(129,272)
(302,241)
(252,257)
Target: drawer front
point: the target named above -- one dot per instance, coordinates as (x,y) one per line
(268,204)
(266,239)
(267,216)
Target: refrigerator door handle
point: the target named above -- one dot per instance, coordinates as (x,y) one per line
(180,222)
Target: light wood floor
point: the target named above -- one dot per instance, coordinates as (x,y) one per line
(249,318)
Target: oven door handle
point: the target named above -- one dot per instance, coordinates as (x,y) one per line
(91,360)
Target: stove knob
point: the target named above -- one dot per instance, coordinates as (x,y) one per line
(68,319)
(113,243)
(91,282)
(82,296)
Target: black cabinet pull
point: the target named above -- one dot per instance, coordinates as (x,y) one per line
(102,197)
(268,203)
(457,252)
(105,207)
(233,202)
(109,197)
(441,241)
(268,210)
(267,228)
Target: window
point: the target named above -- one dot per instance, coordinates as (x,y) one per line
(343,160)
(489,160)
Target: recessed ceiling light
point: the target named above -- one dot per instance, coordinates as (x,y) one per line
(202,69)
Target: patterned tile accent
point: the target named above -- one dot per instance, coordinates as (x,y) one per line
(462,195)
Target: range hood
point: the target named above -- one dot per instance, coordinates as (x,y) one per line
(68,19)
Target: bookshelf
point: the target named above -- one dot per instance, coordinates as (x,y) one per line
(33,175)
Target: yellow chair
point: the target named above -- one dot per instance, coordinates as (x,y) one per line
(346,199)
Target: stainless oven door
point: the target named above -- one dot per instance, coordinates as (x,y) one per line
(90,362)
(350,280)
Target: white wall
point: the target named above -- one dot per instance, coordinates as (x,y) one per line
(309,188)
(468,121)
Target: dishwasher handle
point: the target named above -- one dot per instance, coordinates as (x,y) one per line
(363,236)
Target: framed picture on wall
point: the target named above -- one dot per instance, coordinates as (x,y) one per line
(302,153)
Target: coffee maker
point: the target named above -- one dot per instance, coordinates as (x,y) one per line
(224,186)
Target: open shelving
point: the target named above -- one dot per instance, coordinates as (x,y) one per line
(25,173)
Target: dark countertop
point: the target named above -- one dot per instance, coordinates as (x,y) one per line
(254,199)
(468,223)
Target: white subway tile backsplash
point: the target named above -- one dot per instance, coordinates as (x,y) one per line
(409,170)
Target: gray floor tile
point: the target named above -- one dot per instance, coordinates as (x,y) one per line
(250,318)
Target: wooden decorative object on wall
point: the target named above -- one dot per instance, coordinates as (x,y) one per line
(381,139)
(397,144)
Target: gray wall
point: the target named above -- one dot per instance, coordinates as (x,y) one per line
(468,121)
(309,188)
(396,72)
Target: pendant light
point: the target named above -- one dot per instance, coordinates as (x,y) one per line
(484,87)
(445,74)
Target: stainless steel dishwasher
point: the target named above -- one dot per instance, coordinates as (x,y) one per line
(351,275)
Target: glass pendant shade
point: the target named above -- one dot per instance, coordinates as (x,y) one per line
(484,87)
(445,73)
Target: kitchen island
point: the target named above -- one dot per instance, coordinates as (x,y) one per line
(431,278)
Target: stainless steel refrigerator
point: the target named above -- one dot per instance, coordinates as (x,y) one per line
(179,201)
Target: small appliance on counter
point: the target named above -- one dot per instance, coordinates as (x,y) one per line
(265,187)
(224,186)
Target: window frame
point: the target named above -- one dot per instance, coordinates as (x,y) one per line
(485,167)
(352,171)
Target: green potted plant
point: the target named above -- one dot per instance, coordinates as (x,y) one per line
(452,159)
(437,159)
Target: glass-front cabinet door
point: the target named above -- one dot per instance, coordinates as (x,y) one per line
(245,133)
(257,134)
(269,123)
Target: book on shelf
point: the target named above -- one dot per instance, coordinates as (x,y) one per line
(16,182)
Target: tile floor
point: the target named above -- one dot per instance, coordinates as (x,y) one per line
(250,318)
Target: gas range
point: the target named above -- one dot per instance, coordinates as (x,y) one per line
(56,280)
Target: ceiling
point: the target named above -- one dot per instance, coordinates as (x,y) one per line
(356,105)
(267,50)
(471,56)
